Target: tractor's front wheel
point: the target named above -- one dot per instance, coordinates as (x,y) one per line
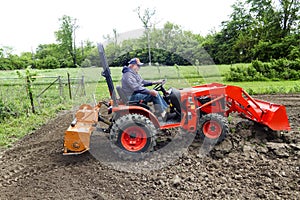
(132,136)
(213,127)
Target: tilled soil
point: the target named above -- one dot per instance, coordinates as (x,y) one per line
(251,163)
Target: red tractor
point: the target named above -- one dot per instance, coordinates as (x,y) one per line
(200,110)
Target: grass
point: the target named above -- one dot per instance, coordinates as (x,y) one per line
(13,91)
(269,87)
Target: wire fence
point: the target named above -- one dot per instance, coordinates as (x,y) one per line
(19,96)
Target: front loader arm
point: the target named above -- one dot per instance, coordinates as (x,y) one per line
(239,101)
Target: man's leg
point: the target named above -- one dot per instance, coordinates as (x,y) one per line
(139,96)
(160,104)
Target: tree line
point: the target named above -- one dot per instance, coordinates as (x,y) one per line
(258,29)
(263,30)
(62,54)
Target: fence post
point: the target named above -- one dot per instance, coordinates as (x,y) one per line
(69,84)
(29,89)
(82,84)
(60,86)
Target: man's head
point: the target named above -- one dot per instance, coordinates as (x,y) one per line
(135,61)
(135,64)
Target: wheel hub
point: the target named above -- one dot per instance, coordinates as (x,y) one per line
(134,138)
(212,129)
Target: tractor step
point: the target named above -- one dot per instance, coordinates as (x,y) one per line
(170,124)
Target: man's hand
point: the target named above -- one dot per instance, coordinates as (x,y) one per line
(157,82)
(153,93)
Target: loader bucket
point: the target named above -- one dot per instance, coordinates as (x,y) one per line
(274,116)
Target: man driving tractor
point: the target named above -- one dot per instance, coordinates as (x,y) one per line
(135,89)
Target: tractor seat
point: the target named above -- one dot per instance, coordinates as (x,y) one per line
(125,100)
(122,94)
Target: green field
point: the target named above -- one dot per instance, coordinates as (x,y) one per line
(14,96)
(181,76)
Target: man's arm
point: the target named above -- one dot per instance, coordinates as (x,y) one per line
(147,83)
(150,83)
(134,85)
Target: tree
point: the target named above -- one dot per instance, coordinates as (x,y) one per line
(170,45)
(257,29)
(146,20)
(10,61)
(66,37)
(43,50)
(50,56)
(28,59)
(86,57)
(234,42)
(274,21)
(289,15)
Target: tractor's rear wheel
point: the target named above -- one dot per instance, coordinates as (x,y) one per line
(213,127)
(132,136)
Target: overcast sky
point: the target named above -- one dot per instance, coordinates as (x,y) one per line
(27,23)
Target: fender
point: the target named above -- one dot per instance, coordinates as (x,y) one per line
(123,110)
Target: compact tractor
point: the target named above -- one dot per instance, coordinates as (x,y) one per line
(202,110)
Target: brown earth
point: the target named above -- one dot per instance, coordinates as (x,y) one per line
(252,163)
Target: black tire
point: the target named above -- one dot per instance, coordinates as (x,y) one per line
(133,136)
(214,127)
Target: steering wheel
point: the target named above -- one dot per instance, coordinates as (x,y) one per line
(160,87)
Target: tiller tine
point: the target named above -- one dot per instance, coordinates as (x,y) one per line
(77,136)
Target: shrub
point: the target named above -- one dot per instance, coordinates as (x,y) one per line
(281,69)
(241,73)
(6,110)
(49,62)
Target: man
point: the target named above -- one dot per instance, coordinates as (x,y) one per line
(134,87)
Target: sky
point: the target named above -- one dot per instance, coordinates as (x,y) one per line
(27,23)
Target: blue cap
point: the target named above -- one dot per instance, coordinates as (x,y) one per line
(136,61)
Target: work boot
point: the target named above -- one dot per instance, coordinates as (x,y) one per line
(167,116)
(171,116)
